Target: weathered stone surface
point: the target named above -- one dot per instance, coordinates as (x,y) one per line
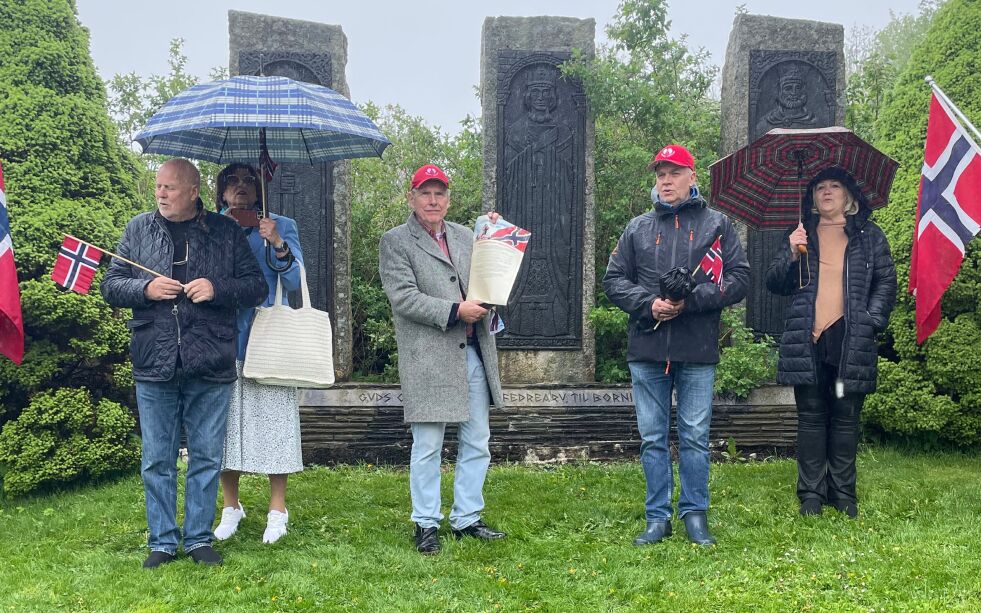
(537,350)
(317,196)
(787,73)
(542,423)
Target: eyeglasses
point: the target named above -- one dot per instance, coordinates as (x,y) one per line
(235,180)
(187,254)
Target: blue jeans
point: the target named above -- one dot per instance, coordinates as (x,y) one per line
(201,407)
(472,458)
(652,397)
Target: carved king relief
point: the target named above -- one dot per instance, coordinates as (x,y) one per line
(540,188)
(790,90)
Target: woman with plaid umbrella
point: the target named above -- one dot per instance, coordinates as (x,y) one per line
(842,288)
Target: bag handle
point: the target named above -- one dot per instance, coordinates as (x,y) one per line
(304,290)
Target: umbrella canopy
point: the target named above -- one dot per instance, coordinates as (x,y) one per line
(762,183)
(220,122)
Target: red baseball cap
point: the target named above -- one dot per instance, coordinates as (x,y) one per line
(429,172)
(676,154)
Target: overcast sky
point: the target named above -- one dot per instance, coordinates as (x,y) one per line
(392,44)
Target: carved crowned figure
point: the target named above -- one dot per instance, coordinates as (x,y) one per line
(540,181)
(790,110)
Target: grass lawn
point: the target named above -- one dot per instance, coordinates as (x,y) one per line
(915,547)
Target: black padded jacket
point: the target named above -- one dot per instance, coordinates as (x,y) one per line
(870,294)
(202,333)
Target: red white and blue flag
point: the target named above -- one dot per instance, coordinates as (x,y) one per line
(76,265)
(948,214)
(711,263)
(512,236)
(11,319)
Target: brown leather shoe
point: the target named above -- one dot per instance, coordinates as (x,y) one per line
(427,540)
(480,530)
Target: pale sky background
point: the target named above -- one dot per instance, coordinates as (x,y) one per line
(423,55)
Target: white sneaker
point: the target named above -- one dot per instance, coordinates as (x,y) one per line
(275,526)
(230,516)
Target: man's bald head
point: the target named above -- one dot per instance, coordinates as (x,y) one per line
(177,190)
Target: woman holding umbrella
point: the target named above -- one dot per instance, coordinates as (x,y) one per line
(842,282)
(263,434)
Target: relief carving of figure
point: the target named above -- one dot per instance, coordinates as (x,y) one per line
(791,104)
(540,183)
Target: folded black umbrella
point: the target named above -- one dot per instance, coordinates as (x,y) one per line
(676,284)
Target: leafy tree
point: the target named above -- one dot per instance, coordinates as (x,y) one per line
(875,61)
(65,173)
(930,393)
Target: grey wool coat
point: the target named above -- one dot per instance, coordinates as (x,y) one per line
(423,285)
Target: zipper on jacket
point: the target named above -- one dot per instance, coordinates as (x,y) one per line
(178,320)
(844,340)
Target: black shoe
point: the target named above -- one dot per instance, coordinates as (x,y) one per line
(697,528)
(810,506)
(158,558)
(427,540)
(205,555)
(848,508)
(479,530)
(656,532)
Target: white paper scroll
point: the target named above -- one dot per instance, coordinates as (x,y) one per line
(497,252)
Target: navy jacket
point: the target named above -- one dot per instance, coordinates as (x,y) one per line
(656,242)
(203,333)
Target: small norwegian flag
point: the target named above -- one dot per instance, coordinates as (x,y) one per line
(76,265)
(711,263)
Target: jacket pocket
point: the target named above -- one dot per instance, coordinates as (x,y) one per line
(143,342)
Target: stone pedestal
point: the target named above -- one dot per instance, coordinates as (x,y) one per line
(778,73)
(317,196)
(538,173)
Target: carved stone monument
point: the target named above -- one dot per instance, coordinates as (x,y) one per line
(778,73)
(538,173)
(316,196)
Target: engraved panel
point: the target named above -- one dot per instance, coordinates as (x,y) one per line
(303,191)
(787,89)
(540,186)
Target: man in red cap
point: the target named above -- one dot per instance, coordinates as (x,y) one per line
(673,341)
(447,358)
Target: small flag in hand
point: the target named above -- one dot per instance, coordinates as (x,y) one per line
(711,263)
(76,265)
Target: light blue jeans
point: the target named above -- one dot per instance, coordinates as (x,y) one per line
(201,407)
(652,397)
(472,459)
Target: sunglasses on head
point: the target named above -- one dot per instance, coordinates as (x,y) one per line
(235,180)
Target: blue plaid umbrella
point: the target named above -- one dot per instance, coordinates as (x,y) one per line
(221,122)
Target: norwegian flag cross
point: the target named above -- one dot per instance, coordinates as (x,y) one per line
(76,265)
(514,236)
(711,263)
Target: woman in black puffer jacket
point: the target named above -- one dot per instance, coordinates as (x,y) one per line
(828,350)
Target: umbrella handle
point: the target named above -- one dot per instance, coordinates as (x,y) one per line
(801,248)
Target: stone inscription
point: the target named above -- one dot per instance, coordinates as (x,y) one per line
(513,397)
(541,130)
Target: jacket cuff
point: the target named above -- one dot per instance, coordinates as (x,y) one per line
(453,314)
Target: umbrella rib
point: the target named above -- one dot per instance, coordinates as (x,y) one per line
(221,150)
(303,137)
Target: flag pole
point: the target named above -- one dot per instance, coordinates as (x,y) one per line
(118,257)
(953,107)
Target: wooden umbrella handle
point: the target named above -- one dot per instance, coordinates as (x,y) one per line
(801,248)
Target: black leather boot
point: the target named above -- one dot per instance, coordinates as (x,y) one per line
(812,442)
(696,525)
(656,532)
(843,438)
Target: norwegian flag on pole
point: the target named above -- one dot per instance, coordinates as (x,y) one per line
(948,213)
(11,319)
(711,263)
(76,265)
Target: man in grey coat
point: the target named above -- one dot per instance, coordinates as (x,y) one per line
(446,355)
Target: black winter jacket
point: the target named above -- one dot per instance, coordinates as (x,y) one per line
(870,293)
(203,333)
(656,242)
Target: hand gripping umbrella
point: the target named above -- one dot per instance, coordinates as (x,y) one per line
(762,184)
(259,119)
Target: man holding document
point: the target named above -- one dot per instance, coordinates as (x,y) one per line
(446,355)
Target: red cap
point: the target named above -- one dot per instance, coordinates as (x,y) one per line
(676,154)
(429,172)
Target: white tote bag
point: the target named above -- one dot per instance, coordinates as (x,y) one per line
(290,347)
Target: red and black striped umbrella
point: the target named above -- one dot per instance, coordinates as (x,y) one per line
(762,184)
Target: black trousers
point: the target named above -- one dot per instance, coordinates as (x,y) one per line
(827,439)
